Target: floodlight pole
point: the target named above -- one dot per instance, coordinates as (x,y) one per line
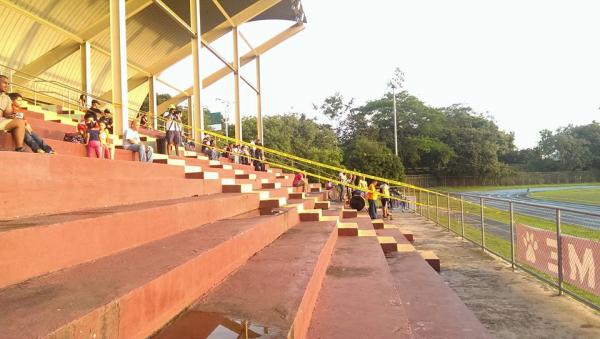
(395,122)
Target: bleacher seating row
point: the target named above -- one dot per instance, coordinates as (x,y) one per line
(122,249)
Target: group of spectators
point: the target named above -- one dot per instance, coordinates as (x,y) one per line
(12,120)
(246,155)
(95,130)
(372,193)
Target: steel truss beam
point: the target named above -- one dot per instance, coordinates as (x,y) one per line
(244,60)
(242,17)
(72,44)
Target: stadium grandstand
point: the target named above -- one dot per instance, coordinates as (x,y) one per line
(191,246)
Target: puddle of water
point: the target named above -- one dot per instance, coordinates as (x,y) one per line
(200,325)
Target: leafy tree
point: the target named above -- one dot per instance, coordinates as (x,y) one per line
(371,157)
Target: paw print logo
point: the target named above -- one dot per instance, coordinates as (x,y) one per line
(531,245)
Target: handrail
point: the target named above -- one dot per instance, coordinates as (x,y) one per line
(335,181)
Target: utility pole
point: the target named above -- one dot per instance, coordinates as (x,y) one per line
(395,121)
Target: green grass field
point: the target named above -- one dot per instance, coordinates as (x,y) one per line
(582,196)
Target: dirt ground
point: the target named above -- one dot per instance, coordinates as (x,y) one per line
(510,304)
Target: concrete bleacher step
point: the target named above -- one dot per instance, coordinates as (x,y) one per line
(66,148)
(311,215)
(282,302)
(358,298)
(322,205)
(63,240)
(58,184)
(208,175)
(270,184)
(433,309)
(133,293)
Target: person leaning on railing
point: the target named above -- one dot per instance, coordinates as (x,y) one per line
(8,123)
(132,142)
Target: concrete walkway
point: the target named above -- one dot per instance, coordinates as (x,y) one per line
(510,304)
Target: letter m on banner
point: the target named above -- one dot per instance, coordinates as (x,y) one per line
(538,249)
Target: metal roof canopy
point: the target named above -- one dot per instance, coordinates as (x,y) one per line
(47,37)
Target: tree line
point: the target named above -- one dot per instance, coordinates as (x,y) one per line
(448,141)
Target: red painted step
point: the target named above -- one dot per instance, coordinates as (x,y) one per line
(433,309)
(358,298)
(277,288)
(66,148)
(134,293)
(62,240)
(44,167)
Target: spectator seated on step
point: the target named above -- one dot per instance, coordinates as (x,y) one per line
(132,142)
(188,143)
(143,118)
(34,141)
(209,148)
(300,180)
(8,123)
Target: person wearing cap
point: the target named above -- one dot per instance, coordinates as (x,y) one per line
(173,128)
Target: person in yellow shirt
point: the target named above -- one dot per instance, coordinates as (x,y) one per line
(385,199)
(372,196)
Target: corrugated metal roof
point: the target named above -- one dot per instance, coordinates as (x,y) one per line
(151,34)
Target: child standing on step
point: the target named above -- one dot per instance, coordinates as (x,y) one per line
(107,148)
(92,138)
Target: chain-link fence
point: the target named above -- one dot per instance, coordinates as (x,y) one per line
(558,245)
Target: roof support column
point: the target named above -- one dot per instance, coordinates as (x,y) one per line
(190,116)
(259,119)
(152,108)
(196,95)
(118,58)
(236,84)
(86,68)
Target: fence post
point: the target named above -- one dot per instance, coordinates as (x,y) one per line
(462,217)
(512,236)
(449,214)
(559,252)
(482,224)
(437,210)
(428,213)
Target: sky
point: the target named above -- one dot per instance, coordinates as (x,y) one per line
(531,65)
